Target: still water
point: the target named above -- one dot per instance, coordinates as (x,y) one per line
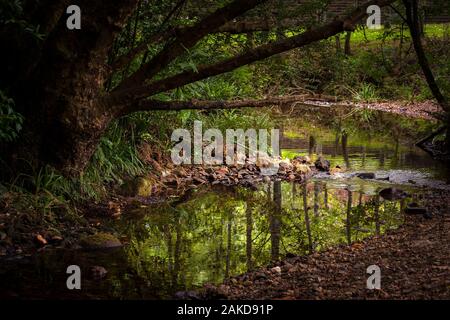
(219,232)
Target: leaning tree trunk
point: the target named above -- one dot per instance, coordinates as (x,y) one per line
(413,20)
(60,88)
(58,95)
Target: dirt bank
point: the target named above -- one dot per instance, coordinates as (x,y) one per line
(414,262)
(421,110)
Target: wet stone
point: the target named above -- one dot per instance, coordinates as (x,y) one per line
(366,175)
(322,164)
(100,241)
(392,194)
(98,272)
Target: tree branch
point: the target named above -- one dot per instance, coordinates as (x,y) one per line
(143,45)
(120,98)
(150,105)
(412,18)
(45,13)
(234,27)
(187,39)
(254,25)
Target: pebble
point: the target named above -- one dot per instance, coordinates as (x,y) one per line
(276,270)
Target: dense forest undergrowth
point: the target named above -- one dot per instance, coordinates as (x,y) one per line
(87,121)
(376,67)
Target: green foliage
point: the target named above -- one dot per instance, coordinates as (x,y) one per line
(194,234)
(11,12)
(365,93)
(10,120)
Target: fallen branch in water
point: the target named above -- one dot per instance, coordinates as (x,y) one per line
(436,151)
(425,110)
(147,105)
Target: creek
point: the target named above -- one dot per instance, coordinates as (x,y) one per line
(220,231)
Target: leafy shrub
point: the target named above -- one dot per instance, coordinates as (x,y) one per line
(10,120)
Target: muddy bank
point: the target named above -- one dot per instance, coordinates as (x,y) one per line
(422,110)
(414,262)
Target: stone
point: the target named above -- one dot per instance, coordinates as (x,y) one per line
(366,175)
(260,275)
(393,194)
(276,270)
(302,159)
(40,240)
(322,164)
(287,267)
(100,240)
(139,186)
(302,168)
(98,272)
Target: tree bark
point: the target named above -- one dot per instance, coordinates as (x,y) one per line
(149,104)
(135,90)
(348,47)
(187,38)
(63,95)
(413,21)
(63,121)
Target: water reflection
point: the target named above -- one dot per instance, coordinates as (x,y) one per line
(212,234)
(223,232)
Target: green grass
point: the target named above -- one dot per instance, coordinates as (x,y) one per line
(376,35)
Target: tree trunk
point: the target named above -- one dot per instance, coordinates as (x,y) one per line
(307,221)
(59,98)
(275,223)
(348,227)
(249,241)
(348,47)
(60,87)
(413,20)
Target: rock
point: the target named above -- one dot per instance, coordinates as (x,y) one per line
(40,240)
(302,168)
(302,159)
(100,240)
(335,170)
(392,194)
(56,239)
(212,292)
(138,186)
(366,175)
(285,163)
(260,276)
(98,272)
(287,267)
(114,209)
(223,290)
(186,295)
(263,160)
(322,164)
(276,270)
